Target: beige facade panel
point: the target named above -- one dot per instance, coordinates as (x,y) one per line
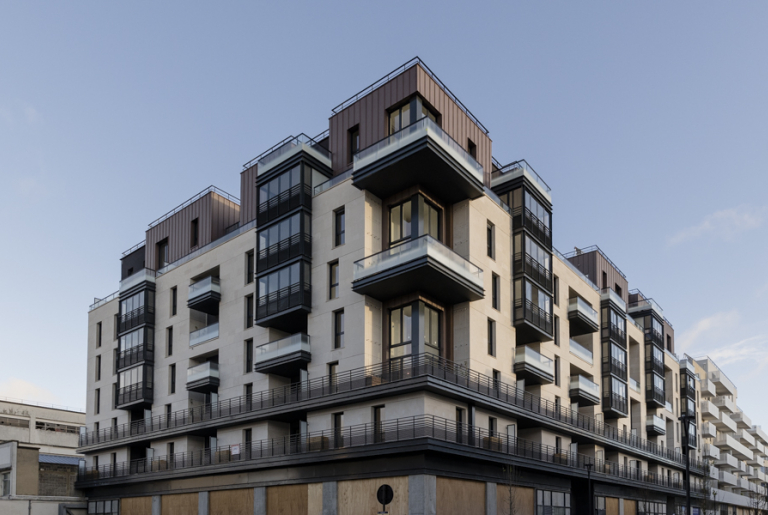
(231,502)
(460,496)
(359,496)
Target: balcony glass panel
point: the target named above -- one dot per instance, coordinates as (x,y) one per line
(720,379)
(521,169)
(609,294)
(207,285)
(207,370)
(276,349)
(139,277)
(634,384)
(203,335)
(726,404)
(526,354)
(646,304)
(582,352)
(582,383)
(290,147)
(655,422)
(415,249)
(412,133)
(580,305)
(710,451)
(668,406)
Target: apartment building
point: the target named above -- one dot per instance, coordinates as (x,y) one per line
(382,305)
(38,458)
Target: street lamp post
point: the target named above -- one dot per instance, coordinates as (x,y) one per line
(685,419)
(589,486)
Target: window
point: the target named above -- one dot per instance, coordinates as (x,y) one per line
(98,368)
(194,232)
(557,370)
(492,426)
(617,289)
(496,380)
(378,419)
(278,284)
(495,287)
(558,444)
(98,334)
(491,337)
(354,142)
(248,311)
(96,463)
(172,379)
(248,390)
(332,368)
(558,502)
(669,343)
(400,222)
(557,330)
(110,507)
(114,425)
(167,412)
(333,280)
(249,267)
(169,341)
(248,355)
(431,330)
(163,257)
(472,148)
(409,113)
(605,280)
(171,449)
(281,237)
(97,401)
(556,289)
(248,439)
(337,420)
(339,227)
(490,237)
(5,484)
(174,298)
(338,329)
(400,321)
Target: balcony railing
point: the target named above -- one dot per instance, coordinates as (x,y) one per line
(203,371)
(203,335)
(725,385)
(655,337)
(381,374)
(135,318)
(615,333)
(526,355)
(297,294)
(582,384)
(614,366)
(427,428)
(134,355)
(524,218)
(655,424)
(414,249)
(145,274)
(616,403)
(634,385)
(580,305)
(710,451)
(284,250)
(646,304)
(330,183)
(134,393)
(526,264)
(653,394)
(412,133)
(521,169)
(294,343)
(297,196)
(527,310)
(654,365)
(207,285)
(609,294)
(582,352)
(726,404)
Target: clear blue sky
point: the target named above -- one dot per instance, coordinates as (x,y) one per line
(649,121)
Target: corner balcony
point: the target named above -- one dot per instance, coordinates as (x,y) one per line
(655,425)
(580,351)
(142,276)
(710,451)
(422,264)
(723,385)
(615,367)
(608,295)
(708,389)
(532,323)
(742,421)
(205,295)
(420,154)
(759,434)
(708,430)
(654,365)
(533,367)
(517,170)
(286,249)
(725,423)
(525,264)
(584,391)
(283,357)
(645,305)
(133,319)
(203,378)
(289,147)
(144,353)
(709,411)
(134,396)
(203,335)
(655,397)
(582,317)
(614,406)
(725,404)
(285,309)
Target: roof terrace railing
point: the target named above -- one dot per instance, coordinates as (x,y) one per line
(286,145)
(574,269)
(587,250)
(100,302)
(134,248)
(399,71)
(209,189)
(521,165)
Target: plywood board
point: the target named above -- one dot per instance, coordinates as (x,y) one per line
(287,500)
(459,496)
(315,499)
(523,500)
(359,496)
(232,502)
(136,505)
(611,506)
(179,504)
(630,507)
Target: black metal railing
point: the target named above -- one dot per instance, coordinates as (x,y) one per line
(424,365)
(297,294)
(134,355)
(133,393)
(527,310)
(654,365)
(615,402)
(655,337)
(688,392)
(422,427)
(135,318)
(613,366)
(525,263)
(524,218)
(654,394)
(296,196)
(284,250)
(615,333)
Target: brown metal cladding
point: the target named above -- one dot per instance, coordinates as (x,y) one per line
(248,195)
(214,214)
(593,264)
(669,331)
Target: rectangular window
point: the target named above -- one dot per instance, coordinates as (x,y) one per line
(248,390)
(338,424)
(248,311)
(249,355)
(167,412)
(98,334)
(556,289)
(495,287)
(114,425)
(194,230)
(400,324)
(557,370)
(97,402)
(116,325)
(333,280)
(617,289)
(490,236)
(172,379)
(492,426)
(171,449)
(400,222)
(248,439)
(556,328)
(605,280)
(496,380)
(98,368)
(339,227)
(338,329)
(174,298)
(332,369)
(491,337)
(249,267)
(163,257)
(472,148)
(169,341)
(558,444)
(354,142)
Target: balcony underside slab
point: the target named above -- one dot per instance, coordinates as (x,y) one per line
(580,324)
(286,365)
(532,374)
(207,302)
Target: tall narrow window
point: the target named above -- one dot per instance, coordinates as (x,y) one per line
(431,330)
(491,337)
(400,222)
(171,450)
(338,424)
(378,419)
(249,267)
(172,379)
(556,289)
(557,370)
(338,329)
(169,341)
(98,368)
(98,334)
(354,142)
(605,280)
(472,148)
(249,355)
(194,230)
(496,380)
(332,369)
(339,225)
(492,426)
(617,289)
(248,440)
(167,412)
(495,286)
(490,236)
(248,311)
(97,401)
(556,328)
(333,280)
(400,320)
(174,298)
(163,256)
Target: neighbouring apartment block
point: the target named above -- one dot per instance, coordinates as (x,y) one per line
(383,305)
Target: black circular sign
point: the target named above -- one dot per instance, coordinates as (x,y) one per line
(385,494)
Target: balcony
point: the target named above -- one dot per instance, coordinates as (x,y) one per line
(584,391)
(205,295)
(533,367)
(523,218)
(725,404)
(709,411)
(525,264)
(654,396)
(284,250)
(285,309)
(708,389)
(655,425)
(728,442)
(144,353)
(615,367)
(727,479)
(422,264)
(654,365)
(644,305)
(746,438)
(725,423)
(710,451)
(133,396)
(582,318)
(517,170)
(742,421)
(135,318)
(614,333)
(759,434)
(723,385)
(288,148)
(668,407)
(283,357)
(297,196)
(203,335)
(655,337)
(607,294)
(614,406)
(580,351)
(726,461)
(634,385)
(532,323)
(708,430)
(419,154)
(142,276)
(203,378)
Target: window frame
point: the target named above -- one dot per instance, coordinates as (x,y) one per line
(490,236)
(339,233)
(491,328)
(338,336)
(333,287)
(495,291)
